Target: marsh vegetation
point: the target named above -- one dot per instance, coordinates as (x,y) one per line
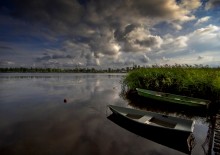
(200,82)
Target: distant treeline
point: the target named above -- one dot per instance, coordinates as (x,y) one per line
(57,70)
(94,70)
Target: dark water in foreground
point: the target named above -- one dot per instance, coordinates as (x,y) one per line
(34,120)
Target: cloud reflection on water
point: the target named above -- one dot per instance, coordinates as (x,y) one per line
(35,120)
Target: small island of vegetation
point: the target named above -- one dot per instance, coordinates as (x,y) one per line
(195,81)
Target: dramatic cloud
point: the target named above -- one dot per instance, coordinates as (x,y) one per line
(135,39)
(97,32)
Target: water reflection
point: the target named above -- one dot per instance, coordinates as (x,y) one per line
(35,120)
(203,117)
(140,102)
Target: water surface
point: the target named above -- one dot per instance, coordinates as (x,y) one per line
(35,120)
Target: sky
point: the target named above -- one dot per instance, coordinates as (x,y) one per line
(109,33)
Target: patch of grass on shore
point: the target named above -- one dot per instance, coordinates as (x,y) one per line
(195,82)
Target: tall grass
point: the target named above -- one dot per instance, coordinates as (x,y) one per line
(194,82)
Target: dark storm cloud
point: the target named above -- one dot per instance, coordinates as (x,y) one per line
(144,59)
(158,8)
(212,3)
(70,12)
(53,56)
(147,42)
(96,28)
(43,58)
(142,8)
(120,35)
(61,56)
(57,14)
(62,14)
(6,51)
(5,48)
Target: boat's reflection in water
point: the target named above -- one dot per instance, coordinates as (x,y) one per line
(163,137)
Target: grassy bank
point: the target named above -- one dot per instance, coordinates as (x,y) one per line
(195,82)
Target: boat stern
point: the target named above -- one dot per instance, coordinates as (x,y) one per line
(110,107)
(193,125)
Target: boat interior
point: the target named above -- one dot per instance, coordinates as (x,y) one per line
(152,120)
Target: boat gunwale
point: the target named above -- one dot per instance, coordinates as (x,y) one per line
(198,100)
(190,128)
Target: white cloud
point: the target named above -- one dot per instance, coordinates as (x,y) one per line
(181,42)
(176,26)
(174,44)
(199,40)
(197,47)
(191,4)
(186,59)
(202,20)
(205,38)
(141,40)
(210,29)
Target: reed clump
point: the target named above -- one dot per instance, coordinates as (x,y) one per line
(195,82)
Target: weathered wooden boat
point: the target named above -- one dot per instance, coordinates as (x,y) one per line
(155,120)
(182,143)
(172,98)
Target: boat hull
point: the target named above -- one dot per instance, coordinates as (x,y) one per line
(174,140)
(172,98)
(166,122)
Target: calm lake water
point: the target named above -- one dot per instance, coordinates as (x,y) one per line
(35,120)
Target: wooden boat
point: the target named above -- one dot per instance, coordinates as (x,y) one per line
(156,121)
(182,143)
(172,98)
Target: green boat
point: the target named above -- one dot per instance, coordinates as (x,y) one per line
(172,98)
